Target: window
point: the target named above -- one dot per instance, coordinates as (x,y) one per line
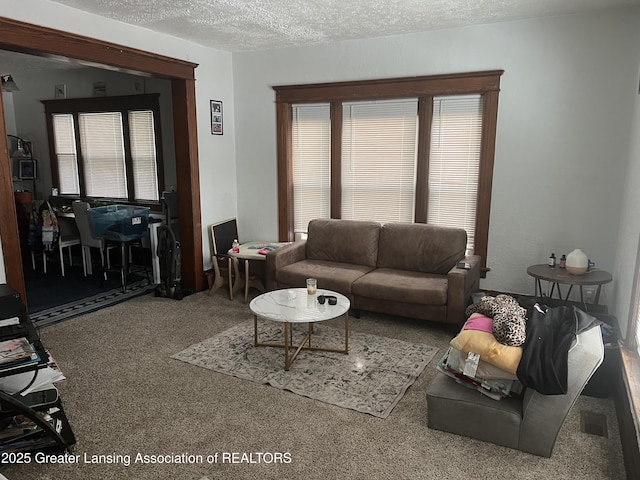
(416,149)
(143,154)
(454,163)
(102,143)
(633,327)
(379,149)
(106,147)
(311,165)
(65,153)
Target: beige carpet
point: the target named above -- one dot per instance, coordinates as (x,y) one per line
(124,395)
(371,379)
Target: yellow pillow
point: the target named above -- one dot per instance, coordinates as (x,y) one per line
(490,350)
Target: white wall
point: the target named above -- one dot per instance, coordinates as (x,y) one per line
(562,139)
(9,118)
(214,80)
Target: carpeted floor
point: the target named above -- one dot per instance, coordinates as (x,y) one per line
(125,396)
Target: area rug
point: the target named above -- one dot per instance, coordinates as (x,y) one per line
(371,379)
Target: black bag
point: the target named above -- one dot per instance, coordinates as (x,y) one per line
(545,354)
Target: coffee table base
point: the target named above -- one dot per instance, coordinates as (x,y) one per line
(288,341)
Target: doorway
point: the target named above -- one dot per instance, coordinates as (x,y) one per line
(40,41)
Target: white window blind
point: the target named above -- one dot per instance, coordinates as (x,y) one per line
(143,155)
(454,163)
(65,146)
(102,144)
(379,149)
(311,134)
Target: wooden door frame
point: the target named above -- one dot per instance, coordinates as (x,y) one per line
(46,42)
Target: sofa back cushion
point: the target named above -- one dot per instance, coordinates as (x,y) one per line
(421,247)
(345,241)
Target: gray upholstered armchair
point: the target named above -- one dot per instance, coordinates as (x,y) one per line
(530,423)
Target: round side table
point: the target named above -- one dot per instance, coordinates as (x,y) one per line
(559,276)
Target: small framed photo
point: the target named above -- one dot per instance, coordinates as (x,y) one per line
(60,91)
(216,117)
(27,169)
(138,86)
(99,89)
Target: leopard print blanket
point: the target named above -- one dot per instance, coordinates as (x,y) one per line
(509,318)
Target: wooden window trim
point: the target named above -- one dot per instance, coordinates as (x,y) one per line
(405,87)
(284,119)
(336,159)
(425,114)
(425,88)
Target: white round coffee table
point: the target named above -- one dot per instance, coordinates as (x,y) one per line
(295,305)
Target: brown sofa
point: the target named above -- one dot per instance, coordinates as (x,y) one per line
(406,269)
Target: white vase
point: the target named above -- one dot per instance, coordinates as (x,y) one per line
(577,262)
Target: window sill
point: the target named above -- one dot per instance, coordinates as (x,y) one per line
(627,406)
(631,377)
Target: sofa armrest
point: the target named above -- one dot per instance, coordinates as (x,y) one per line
(461,284)
(281,257)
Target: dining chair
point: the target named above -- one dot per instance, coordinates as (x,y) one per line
(68,237)
(87,239)
(61,234)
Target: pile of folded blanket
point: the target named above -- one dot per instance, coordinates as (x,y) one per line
(504,347)
(486,353)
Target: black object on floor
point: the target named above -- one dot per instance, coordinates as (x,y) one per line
(170,265)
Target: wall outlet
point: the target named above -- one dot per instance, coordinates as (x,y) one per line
(589,293)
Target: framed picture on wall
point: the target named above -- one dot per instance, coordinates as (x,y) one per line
(60,91)
(216,117)
(27,169)
(99,89)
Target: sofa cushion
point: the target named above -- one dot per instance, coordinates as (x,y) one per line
(334,276)
(420,247)
(345,241)
(402,286)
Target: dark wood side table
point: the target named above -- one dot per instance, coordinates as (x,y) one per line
(557,276)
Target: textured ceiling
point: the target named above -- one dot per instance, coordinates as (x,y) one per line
(244,25)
